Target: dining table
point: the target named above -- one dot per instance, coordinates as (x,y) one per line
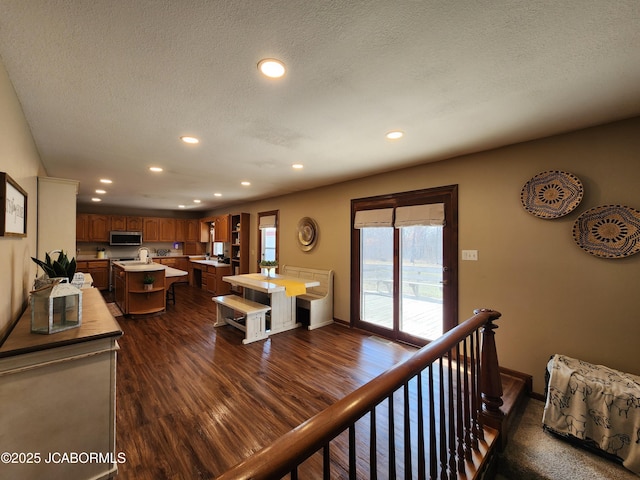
(277,291)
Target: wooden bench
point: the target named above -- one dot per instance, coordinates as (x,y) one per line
(318,300)
(252,318)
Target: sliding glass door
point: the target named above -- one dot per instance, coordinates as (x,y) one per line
(404,264)
(421,281)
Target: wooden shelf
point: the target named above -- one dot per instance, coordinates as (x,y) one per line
(155,289)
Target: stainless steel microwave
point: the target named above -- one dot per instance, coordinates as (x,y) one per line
(125,238)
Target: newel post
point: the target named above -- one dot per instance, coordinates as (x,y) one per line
(490,381)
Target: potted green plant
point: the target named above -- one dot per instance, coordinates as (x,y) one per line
(148,281)
(60,268)
(269,266)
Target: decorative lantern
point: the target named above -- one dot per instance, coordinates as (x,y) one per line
(55,308)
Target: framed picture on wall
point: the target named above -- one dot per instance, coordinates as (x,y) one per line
(13,220)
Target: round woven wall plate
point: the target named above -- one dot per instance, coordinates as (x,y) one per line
(551,194)
(608,231)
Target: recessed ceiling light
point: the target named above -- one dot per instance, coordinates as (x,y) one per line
(196,201)
(246,184)
(187,139)
(105,180)
(272,68)
(297,166)
(394,134)
(155,169)
(95,199)
(217,194)
(180,206)
(100,191)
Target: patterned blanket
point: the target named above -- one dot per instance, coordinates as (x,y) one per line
(596,404)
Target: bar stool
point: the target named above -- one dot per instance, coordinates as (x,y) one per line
(171,294)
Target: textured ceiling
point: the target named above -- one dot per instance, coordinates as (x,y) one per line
(108,86)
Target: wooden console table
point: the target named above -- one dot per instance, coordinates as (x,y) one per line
(58,393)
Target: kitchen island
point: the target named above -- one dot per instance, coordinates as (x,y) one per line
(207,275)
(131,294)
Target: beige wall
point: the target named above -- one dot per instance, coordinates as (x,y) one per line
(20,160)
(554,297)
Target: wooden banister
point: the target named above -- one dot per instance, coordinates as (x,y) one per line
(286,453)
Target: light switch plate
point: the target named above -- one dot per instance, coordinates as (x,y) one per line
(469,254)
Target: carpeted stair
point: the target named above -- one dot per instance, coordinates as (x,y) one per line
(533,454)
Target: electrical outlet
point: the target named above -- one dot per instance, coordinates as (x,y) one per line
(469,254)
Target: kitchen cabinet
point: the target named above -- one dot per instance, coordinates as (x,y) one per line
(192,231)
(119,223)
(95,228)
(193,248)
(221,287)
(205,230)
(181,230)
(134,224)
(221,225)
(150,229)
(99,270)
(99,227)
(210,282)
(167,229)
(82,227)
(91,227)
(124,223)
(209,278)
(240,223)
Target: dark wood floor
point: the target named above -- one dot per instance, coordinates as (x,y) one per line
(192,400)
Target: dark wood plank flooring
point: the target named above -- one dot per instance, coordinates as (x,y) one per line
(192,400)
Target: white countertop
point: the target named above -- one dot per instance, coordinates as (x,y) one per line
(138,266)
(174,272)
(213,263)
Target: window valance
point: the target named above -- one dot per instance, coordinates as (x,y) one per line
(382,217)
(268,221)
(429,214)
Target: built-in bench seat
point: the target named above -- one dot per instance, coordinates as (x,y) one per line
(246,315)
(318,300)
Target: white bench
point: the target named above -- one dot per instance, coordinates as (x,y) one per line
(318,300)
(252,320)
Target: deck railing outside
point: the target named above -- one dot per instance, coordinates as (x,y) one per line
(425,417)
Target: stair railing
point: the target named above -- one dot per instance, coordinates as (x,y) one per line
(450,391)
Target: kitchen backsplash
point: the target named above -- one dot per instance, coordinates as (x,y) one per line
(90,250)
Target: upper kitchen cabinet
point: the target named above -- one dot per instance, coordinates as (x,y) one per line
(123,223)
(119,223)
(82,227)
(192,231)
(205,230)
(99,227)
(150,229)
(222,232)
(167,229)
(134,224)
(181,230)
